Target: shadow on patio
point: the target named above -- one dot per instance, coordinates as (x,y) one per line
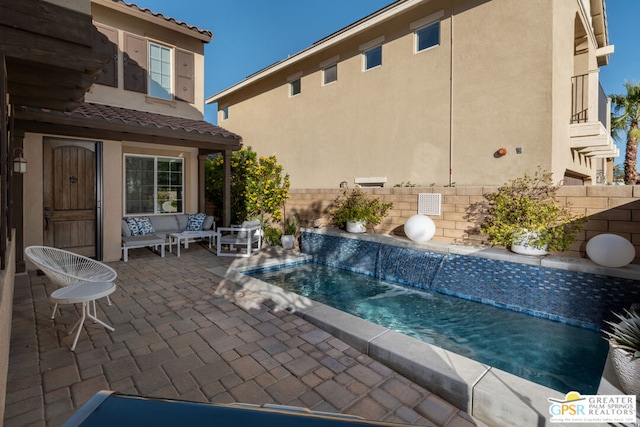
(183,333)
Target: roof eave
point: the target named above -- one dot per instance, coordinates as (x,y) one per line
(337,37)
(158,19)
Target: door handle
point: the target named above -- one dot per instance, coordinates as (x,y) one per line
(47,217)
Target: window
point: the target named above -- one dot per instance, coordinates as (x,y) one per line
(153,185)
(428,37)
(295,87)
(225,113)
(330,74)
(160,76)
(373,58)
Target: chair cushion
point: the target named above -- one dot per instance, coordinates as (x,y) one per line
(248,224)
(195,222)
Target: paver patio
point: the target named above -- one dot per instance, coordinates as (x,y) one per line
(183,333)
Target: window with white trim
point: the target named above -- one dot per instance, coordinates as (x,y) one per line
(225,113)
(295,87)
(427,37)
(160,74)
(153,184)
(372,57)
(330,74)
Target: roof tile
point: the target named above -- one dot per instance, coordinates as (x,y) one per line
(126,116)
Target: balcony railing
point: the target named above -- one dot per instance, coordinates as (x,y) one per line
(580,100)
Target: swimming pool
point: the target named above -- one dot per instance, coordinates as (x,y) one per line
(559,356)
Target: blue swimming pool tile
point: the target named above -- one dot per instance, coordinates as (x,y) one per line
(565,296)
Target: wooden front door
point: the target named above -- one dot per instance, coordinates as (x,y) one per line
(70,195)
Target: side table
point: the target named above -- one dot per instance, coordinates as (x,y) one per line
(83,293)
(186,235)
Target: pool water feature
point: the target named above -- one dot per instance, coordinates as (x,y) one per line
(556,355)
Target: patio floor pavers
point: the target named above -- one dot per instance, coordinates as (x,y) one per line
(183,333)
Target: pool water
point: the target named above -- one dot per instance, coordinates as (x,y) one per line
(552,354)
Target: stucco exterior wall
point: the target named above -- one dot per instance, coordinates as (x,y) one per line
(113,178)
(611,209)
(123,98)
(500,78)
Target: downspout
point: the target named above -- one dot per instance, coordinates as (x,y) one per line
(451,97)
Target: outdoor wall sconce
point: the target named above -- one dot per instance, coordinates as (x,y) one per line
(501,152)
(343,184)
(19,163)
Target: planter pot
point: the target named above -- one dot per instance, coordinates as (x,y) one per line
(522,246)
(356,227)
(288,241)
(627,369)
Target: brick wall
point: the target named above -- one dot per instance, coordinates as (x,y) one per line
(611,209)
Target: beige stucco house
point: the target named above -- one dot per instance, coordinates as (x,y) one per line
(437,92)
(133,143)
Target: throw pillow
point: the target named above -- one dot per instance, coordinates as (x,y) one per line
(195,222)
(144,226)
(133,226)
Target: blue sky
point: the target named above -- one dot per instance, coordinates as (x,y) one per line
(252,34)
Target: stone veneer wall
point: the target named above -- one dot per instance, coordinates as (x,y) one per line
(611,209)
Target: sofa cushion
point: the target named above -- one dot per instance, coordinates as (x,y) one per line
(165,223)
(126,232)
(183,220)
(208,223)
(139,241)
(195,222)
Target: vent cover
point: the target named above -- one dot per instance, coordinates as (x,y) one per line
(429,203)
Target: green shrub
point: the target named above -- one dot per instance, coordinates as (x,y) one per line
(272,236)
(259,187)
(528,205)
(354,205)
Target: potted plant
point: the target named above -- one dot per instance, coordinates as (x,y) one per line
(288,239)
(272,236)
(624,343)
(525,216)
(356,211)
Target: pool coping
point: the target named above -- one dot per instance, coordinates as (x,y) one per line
(487,393)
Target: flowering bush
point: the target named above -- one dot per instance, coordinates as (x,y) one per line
(528,205)
(258,186)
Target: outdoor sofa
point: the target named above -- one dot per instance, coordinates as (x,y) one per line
(154,231)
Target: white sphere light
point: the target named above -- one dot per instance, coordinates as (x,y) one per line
(419,228)
(610,250)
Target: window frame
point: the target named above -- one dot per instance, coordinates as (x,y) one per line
(156,185)
(170,67)
(324,74)
(417,37)
(225,113)
(292,87)
(365,58)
